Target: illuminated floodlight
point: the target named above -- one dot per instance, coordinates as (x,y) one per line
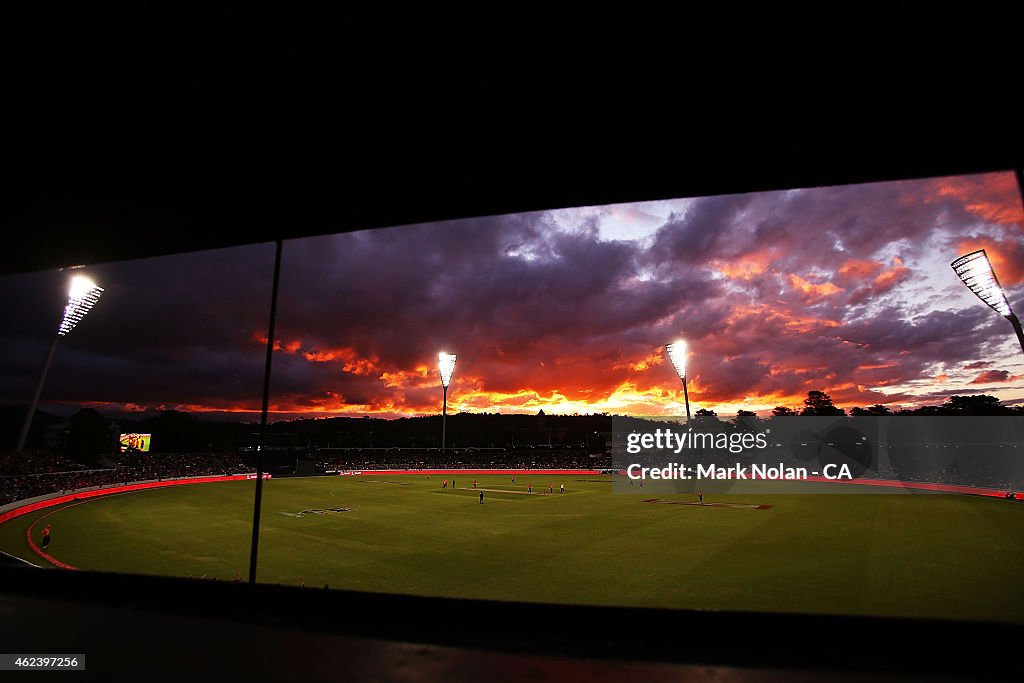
(82,296)
(975,271)
(677,354)
(446,366)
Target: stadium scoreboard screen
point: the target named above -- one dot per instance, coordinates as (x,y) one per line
(135,442)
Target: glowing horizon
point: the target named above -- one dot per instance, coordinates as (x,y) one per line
(846,290)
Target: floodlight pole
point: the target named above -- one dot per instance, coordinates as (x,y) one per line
(39,391)
(445,368)
(1018,172)
(686,398)
(444,417)
(983,283)
(677,355)
(1015,321)
(83,294)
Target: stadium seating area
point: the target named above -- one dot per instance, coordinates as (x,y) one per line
(39,473)
(124,468)
(513,458)
(35,462)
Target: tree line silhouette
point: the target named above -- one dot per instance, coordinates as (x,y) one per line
(87,434)
(819,403)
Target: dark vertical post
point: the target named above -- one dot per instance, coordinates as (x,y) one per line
(263,418)
(1019,172)
(35,399)
(444,418)
(1015,321)
(686,397)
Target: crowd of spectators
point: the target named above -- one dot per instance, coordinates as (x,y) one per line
(146,466)
(36,462)
(17,482)
(22,486)
(38,473)
(539,457)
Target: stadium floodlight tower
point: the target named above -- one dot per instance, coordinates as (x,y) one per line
(677,354)
(83,294)
(446,366)
(975,271)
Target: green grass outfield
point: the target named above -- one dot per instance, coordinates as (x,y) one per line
(940,556)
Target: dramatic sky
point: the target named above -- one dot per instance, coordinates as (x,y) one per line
(842,289)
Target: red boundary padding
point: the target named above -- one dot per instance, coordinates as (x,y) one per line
(944,488)
(349,473)
(71,497)
(39,551)
(60,500)
(971,490)
(84,496)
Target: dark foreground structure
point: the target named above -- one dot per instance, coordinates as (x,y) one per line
(166,629)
